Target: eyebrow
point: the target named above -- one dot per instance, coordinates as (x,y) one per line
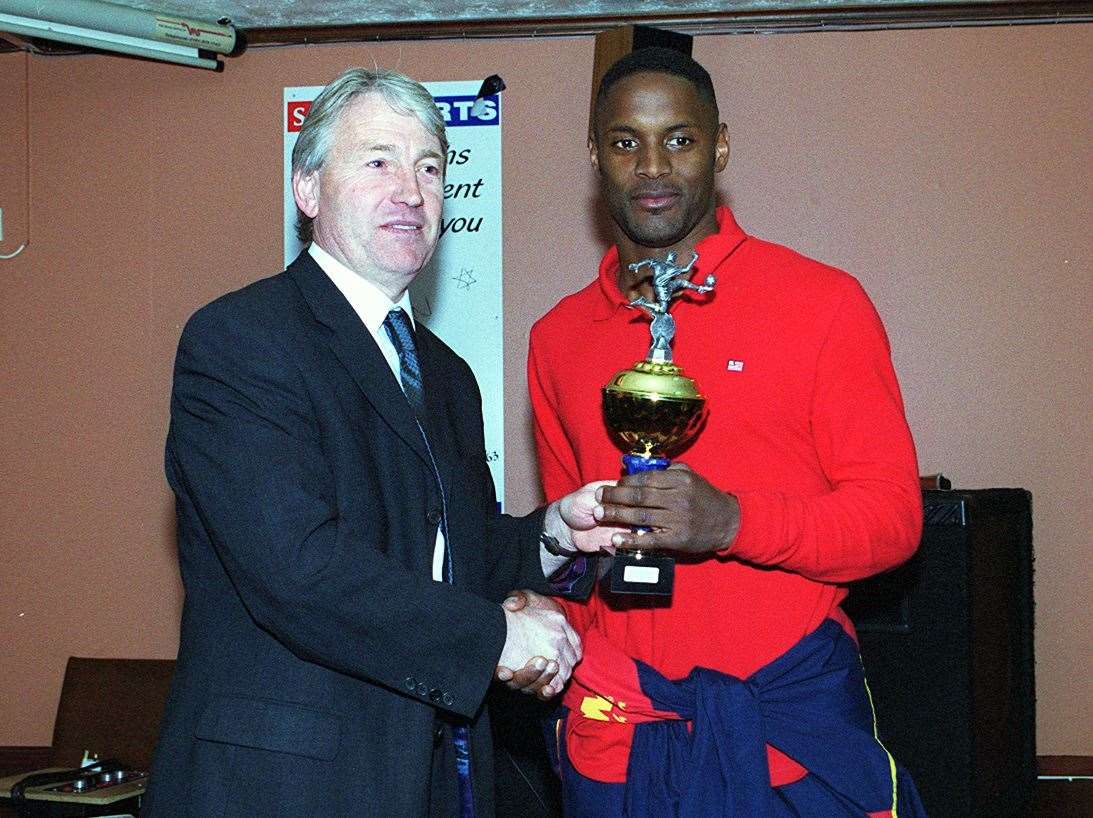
(629,129)
(384,148)
(363,151)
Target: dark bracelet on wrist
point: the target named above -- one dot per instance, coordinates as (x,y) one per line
(552,546)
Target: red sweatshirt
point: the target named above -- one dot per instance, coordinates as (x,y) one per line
(805,427)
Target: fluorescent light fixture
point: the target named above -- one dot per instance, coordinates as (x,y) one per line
(110,27)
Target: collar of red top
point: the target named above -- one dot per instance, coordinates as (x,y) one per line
(712,250)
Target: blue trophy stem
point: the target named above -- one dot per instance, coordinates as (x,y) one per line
(634,463)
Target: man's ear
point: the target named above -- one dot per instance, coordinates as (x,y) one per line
(593,156)
(305,190)
(721,148)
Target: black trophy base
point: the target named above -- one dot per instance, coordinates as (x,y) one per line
(639,572)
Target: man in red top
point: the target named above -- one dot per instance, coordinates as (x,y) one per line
(803,479)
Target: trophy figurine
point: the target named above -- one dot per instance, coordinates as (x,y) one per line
(651,409)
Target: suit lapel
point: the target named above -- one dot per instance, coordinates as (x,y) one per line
(354,346)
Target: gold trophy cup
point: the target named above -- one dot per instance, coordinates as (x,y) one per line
(652,409)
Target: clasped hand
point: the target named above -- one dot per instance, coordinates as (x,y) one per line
(682,509)
(540,643)
(572,520)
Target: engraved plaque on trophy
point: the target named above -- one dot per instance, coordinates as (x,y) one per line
(651,409)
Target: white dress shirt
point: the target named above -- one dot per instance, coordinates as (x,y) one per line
(372,305)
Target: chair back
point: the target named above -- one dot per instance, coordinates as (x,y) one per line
(111,707)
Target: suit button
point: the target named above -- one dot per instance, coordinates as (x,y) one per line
(422,689)
(433,516)
(447,699)
(434,696)
(410,683)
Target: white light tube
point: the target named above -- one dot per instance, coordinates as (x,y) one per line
(111,27)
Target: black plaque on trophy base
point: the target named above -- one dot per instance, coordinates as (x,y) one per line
(642,572)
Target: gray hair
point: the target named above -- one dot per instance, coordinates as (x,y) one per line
(404,95)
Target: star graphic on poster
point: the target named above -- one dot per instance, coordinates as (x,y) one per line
(465,278)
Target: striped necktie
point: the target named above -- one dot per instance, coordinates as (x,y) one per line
(397,324)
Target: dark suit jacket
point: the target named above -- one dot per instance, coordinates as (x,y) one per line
(315,647)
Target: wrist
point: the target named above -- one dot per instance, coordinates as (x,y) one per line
(504,657)
(556,537)
(554,546)
(733,527)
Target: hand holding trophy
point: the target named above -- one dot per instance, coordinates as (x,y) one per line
(651,409)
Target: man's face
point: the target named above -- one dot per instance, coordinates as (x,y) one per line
(377,199)
(657,146)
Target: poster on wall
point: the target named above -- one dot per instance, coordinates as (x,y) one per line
(458,295)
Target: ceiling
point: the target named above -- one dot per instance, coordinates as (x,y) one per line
(290,14)
(258,14)
(296,21)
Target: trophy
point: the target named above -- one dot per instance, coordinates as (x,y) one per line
(651,409)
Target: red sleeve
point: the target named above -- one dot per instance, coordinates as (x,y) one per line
(557,463)
(871,520)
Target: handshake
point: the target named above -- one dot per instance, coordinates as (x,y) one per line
(541,649)
(679,510)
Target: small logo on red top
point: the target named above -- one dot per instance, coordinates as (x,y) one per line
(734,365)
(296,111)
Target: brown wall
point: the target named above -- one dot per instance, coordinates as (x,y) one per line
(948,169)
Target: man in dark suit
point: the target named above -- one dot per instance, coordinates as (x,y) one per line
(343,560)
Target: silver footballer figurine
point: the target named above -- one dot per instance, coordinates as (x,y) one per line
(668,280)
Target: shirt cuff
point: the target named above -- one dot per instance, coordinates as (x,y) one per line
(565,579)
(750,542)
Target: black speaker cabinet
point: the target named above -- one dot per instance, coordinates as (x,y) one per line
(947,645)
